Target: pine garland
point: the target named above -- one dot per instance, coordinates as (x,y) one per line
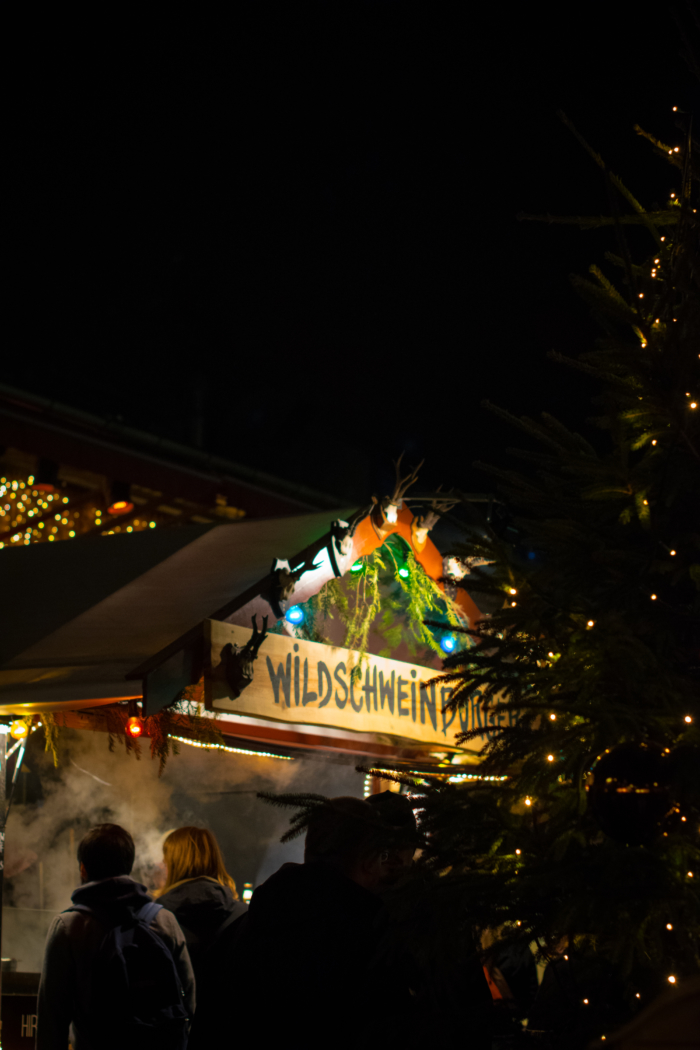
(181,719)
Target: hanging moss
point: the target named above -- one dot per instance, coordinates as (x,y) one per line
(181,719)
(391,594)
(50,727)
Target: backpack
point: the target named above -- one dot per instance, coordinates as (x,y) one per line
(137,999)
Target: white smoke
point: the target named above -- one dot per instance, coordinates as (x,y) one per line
(92,786)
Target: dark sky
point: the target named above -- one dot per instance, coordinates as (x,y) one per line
(305,224)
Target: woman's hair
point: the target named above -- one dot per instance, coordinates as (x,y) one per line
(190,853)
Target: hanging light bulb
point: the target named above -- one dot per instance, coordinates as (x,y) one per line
(19,730)
(121,501)
(294,615)
(134,726)
(448,643)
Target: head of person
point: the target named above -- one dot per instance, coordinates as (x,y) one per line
(105,852)
(348,834)
(397,812)
(191,853)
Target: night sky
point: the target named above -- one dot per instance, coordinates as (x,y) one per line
(293,240)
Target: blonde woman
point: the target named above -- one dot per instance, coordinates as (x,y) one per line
(201,894)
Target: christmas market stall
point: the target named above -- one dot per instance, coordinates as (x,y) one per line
(277,637)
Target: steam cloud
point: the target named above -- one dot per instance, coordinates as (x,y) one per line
(93,786)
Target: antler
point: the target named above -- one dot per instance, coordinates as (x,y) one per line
(436,509)
(257,637)
(387,511)
(403,484)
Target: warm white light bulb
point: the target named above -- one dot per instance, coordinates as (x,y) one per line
(553,718)
(550,758)
(672,979)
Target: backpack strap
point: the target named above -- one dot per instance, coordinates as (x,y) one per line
(148,913)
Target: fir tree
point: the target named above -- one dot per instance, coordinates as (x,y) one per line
(596,643)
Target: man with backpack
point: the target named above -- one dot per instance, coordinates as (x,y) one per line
(116,967)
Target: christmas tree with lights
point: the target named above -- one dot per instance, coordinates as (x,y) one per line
(586,858)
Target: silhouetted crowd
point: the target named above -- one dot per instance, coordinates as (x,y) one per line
(315,960)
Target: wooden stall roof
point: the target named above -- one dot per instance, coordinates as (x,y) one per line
(87,612)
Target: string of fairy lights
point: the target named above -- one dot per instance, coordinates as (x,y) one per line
(35,512)
(233,750)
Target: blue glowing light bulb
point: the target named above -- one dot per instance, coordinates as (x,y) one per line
(448,643)
(295,614)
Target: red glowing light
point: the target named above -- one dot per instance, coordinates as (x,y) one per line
(121,506)
(43,487)
(134,727)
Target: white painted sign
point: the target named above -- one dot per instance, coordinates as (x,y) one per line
(310,683)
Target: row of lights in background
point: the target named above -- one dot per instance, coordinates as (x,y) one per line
(38,512)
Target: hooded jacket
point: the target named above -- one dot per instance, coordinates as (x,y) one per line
(72,945)
(201,906)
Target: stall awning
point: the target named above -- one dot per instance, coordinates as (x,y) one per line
(80,615)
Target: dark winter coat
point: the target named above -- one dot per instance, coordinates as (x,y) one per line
(314,966)
(72,945)
(201,906)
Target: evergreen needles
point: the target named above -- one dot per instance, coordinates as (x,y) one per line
(596,642)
